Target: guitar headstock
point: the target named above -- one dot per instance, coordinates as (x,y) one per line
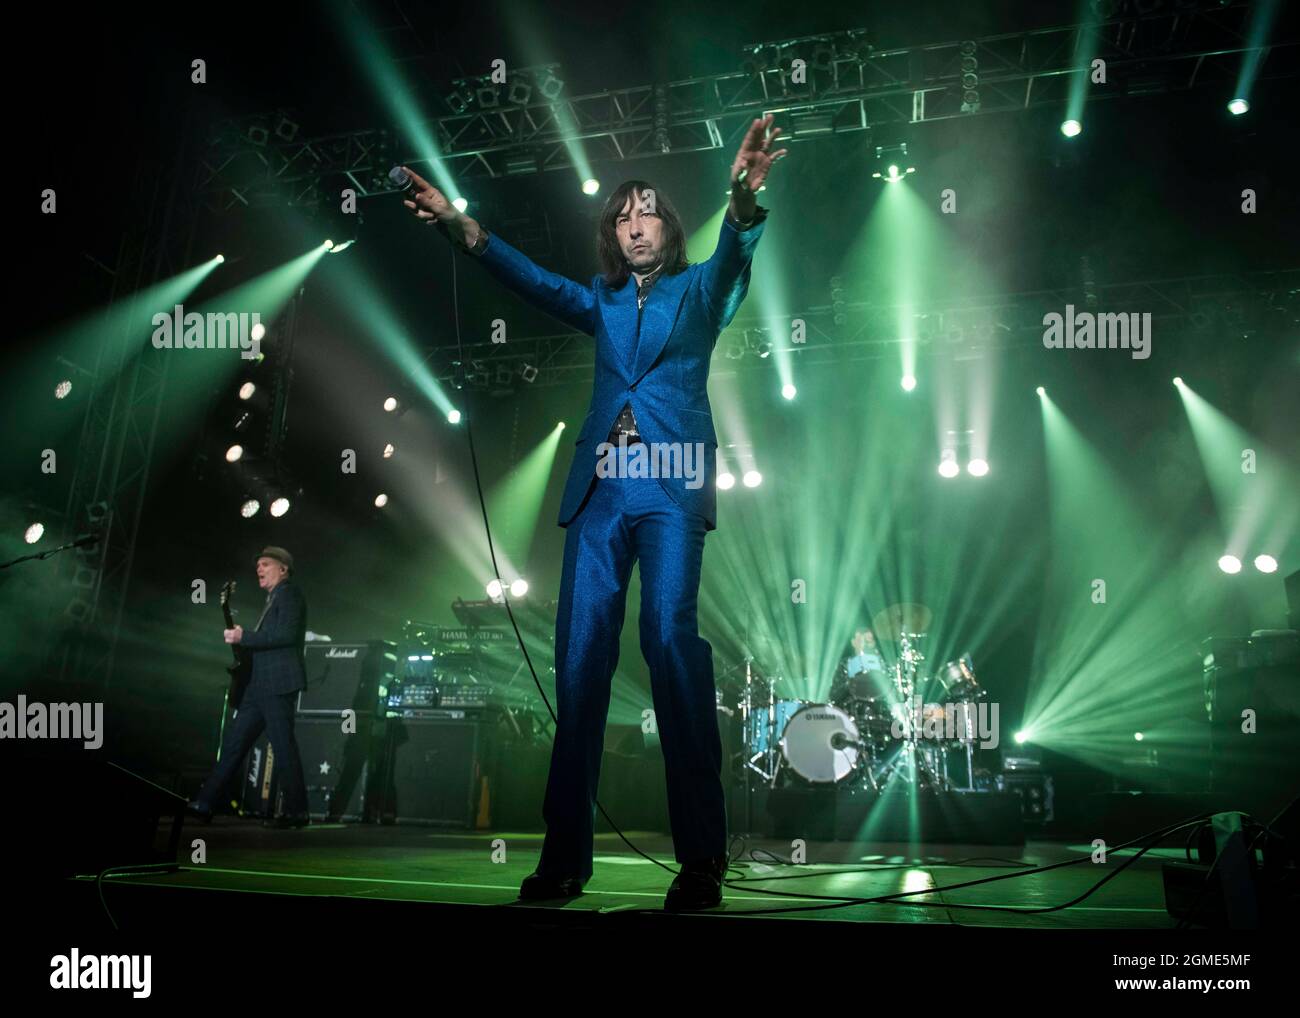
(227,589)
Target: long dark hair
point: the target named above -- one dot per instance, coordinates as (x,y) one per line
(613,265)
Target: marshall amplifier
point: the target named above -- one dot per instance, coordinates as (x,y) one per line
(339,766)
(259,792)
(346,676)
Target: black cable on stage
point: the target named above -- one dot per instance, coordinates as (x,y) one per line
(487,529)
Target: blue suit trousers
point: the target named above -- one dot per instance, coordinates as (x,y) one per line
(625,520)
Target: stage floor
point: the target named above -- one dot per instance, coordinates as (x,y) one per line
(417,864)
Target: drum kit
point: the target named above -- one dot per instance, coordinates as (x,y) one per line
(882,725)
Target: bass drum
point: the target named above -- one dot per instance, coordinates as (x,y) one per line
(821,744)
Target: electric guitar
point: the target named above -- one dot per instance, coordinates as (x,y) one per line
(242,668)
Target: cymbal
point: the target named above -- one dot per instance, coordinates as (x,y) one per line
(900,620)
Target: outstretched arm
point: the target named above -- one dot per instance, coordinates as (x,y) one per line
(558,296)
(725,278)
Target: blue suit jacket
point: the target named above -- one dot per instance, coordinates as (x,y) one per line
(276,645)
(663,373)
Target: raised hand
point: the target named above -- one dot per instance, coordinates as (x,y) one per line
(755,157)
(428,203)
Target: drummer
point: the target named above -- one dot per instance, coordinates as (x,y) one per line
(862,675)
(866,654)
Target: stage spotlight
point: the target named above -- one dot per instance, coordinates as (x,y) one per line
(1041,391)
(453,416)
(590,186)
(1230,564)
(494,589)
(893,174)
(519,588)
(257,331)
(461,204)
(752,479)
(328,244)
(62,389)
(1178,381)
(249,509)
(1137,736)
(1238,106)
(279,507)
(381,500)
(948,464)
(388,451)
(789,391)
(34,533)
(1021,737)
(1266,563)
(909,383)
(550,86)
(220,259)
(560,425)
(336,248)
(246,390)
(234,453)
(1071,128)
(726,481)
(977,468)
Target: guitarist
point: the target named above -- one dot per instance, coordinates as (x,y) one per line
(277,674)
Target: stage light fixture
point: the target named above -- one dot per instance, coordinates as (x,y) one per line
(381,500)
(948,464)
(1021,737)
(789,391)
(249,508)
(1138,736)
(1230,564)
(220,259)
(1238,106)
(246,390)
(494,589)
(279,507)
(909,383)
(752,479)
(453,416)
(389,450)
(1041,391)
(234,453)
(893,174)
(62,389)
(528,373)
(519,588)
(726,481)
(1266,563)
(1071,128)
(550,86)
(390,404)
(1178,381)
(34,533)
(342,246)
(977,468)
(590,186)
(461,204)
(257,332)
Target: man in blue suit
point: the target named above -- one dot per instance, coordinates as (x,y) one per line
(655,319)
(276,645)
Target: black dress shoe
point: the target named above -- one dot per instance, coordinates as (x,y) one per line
(197,811)
(697,886)
(284,823)
(539,887)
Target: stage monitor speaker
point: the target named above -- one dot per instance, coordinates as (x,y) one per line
(346,676)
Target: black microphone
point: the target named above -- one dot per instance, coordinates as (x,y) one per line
(402,180)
